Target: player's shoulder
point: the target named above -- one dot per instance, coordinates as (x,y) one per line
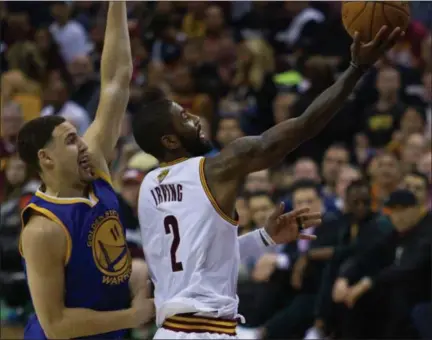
(42,231)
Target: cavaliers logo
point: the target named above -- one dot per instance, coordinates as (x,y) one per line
(110,251)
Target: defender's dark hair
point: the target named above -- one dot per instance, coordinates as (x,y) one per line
(358,183)
(305,184)
(35,135)
(418,174)
(152,121)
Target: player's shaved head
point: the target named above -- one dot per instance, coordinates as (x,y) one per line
(152,122)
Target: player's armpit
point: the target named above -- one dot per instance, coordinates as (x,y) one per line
(44,247)
(250,154)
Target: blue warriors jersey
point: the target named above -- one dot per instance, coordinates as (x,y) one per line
(98,264)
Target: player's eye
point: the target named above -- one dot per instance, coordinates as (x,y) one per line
(71,139)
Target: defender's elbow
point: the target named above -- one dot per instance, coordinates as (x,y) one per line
(124,74)
(55,330)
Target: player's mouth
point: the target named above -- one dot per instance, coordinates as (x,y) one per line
(84,163)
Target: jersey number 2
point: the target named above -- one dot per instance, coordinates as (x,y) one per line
(171,226)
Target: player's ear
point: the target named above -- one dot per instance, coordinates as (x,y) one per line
(45,159)
(170,142)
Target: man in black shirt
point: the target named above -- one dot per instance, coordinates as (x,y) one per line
(395,273)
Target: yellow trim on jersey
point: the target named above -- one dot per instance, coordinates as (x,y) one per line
(203,320)
(48,214)
(69,200)
(103,175)
(200,324)
(175,161)
(210,195)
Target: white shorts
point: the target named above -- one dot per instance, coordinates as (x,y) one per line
(163,333)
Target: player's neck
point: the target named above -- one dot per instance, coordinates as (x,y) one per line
(62,189)
(170,158)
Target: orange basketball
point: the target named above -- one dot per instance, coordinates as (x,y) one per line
(367,17)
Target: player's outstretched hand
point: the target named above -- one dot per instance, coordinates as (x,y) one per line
(285,228)
(366,54)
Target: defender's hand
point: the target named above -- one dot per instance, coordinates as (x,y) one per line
(285,228)
(366,54)
(143,309)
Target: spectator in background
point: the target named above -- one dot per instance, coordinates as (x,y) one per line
(50,53)
(306,168)
(347,175)
(385,179)
(260,207)
(193,24)
(424,167)
(418,184)
(252,86)
(57,102)
(355,230)
(289,266)
(185,92)
(23,55)
(69,34)
(228,131)
(335,158)
(215,33)
(427,95)
(138,166)
(166,47)
(412,121)
(411,151)
(402,275)
(85,84)
(11,122)
(18,189)
(382,119)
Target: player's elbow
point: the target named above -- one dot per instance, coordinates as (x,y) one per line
(54,328)
(124,74)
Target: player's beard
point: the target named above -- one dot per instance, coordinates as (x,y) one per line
(197,146)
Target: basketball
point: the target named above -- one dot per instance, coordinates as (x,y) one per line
(367,17)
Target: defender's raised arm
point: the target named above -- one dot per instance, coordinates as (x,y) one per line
(116,72)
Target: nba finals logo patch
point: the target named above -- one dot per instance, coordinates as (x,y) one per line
(110,250)
(162,175)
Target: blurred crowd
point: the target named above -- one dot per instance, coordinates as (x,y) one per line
(243,67)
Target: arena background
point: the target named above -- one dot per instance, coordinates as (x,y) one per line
(242,67)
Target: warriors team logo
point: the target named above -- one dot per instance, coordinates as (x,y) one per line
(110,251)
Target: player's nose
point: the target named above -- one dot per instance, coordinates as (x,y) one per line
(83,147)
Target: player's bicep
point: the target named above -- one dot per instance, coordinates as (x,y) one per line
(44,246)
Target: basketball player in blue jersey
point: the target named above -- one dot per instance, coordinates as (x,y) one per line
(78,267)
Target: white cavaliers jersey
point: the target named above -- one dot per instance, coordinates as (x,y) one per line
(189,244)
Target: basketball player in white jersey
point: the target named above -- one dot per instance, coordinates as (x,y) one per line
(186,207)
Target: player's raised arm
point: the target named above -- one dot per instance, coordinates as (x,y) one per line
(45,249)
(249,154)
(116,71)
